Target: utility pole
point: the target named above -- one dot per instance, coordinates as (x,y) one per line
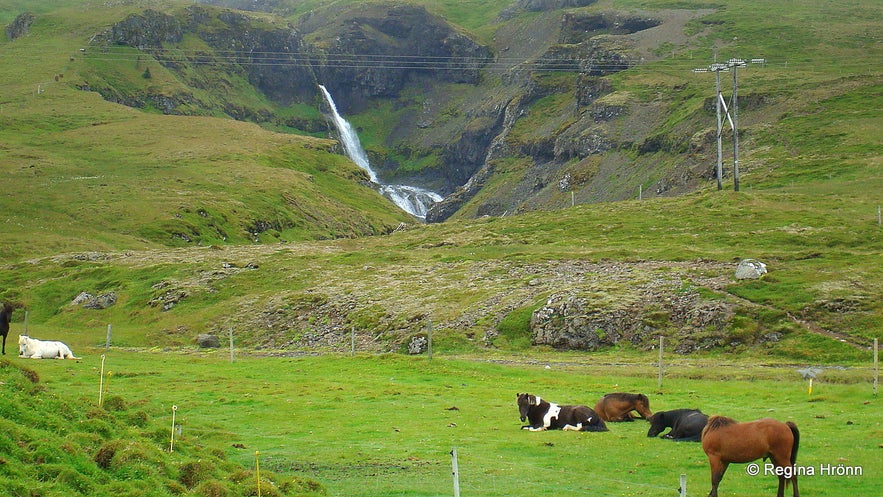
(717,68)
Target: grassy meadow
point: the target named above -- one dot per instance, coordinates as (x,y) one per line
(102,198)
(384,425)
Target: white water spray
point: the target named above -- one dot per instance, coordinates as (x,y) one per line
(412,199)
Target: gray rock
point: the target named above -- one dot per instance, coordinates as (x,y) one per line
(207,341)
(750,269)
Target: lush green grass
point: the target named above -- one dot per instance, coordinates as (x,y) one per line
(385,425)
(57,443)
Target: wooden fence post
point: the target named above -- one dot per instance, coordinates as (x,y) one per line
(455,472)
(429,340)
(876,368)
(231,344)
(659,381)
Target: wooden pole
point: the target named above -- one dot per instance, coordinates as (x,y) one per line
(101,384)
(429,340)
(257,470)
(876,368)
(172,439)
(683,487)
(456,472)
(107,341)
(26,324)
(353,341)
(231,344)
(659,382)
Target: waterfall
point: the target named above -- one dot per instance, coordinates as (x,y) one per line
(412,199)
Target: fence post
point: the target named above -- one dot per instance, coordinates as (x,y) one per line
(456,472)
(353,341)
(659,380)
(683,487)
(231,344)
(876,368)
(26,324)
(429,339)
(107,341)
(172,439)
(101,384)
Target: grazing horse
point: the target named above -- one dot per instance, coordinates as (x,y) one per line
(43,349)
(686,424)
(726,441)
(619,406)
(544,415)
(5,318)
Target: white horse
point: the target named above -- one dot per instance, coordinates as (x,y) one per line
(43,349)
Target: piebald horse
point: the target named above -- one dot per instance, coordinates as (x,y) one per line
(619,406)
(545,415)
(726,441)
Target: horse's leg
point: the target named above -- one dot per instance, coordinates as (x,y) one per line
(718,469)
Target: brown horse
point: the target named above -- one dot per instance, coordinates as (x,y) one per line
(726,441)
(619,406)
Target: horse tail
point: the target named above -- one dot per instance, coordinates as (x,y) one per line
(796,444)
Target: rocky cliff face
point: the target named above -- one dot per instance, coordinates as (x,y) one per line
(454,106)
(19,27)
(374,51)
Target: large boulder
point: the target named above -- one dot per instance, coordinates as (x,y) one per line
(750,269)
(207,341)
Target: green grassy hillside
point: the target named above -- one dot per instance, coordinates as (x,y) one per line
(56,443)
(203,224)
(386,425)
(92,175)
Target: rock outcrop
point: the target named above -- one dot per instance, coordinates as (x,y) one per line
(20,26)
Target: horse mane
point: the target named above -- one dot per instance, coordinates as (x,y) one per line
(628,397)
(715,422)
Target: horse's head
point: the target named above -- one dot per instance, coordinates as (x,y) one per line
(525,402)
(23,344)
(657,424)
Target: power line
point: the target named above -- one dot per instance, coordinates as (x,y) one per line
(717,68)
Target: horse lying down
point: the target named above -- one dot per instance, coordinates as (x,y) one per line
(686,424)
(43,349)
(544,415)
(618,406)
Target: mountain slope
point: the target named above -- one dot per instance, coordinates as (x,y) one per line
(173,207)
(89,174)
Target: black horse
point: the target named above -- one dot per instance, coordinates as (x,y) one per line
(686,424)
(544,415)
(5,318)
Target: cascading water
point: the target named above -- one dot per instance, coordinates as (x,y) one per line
(412,199)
